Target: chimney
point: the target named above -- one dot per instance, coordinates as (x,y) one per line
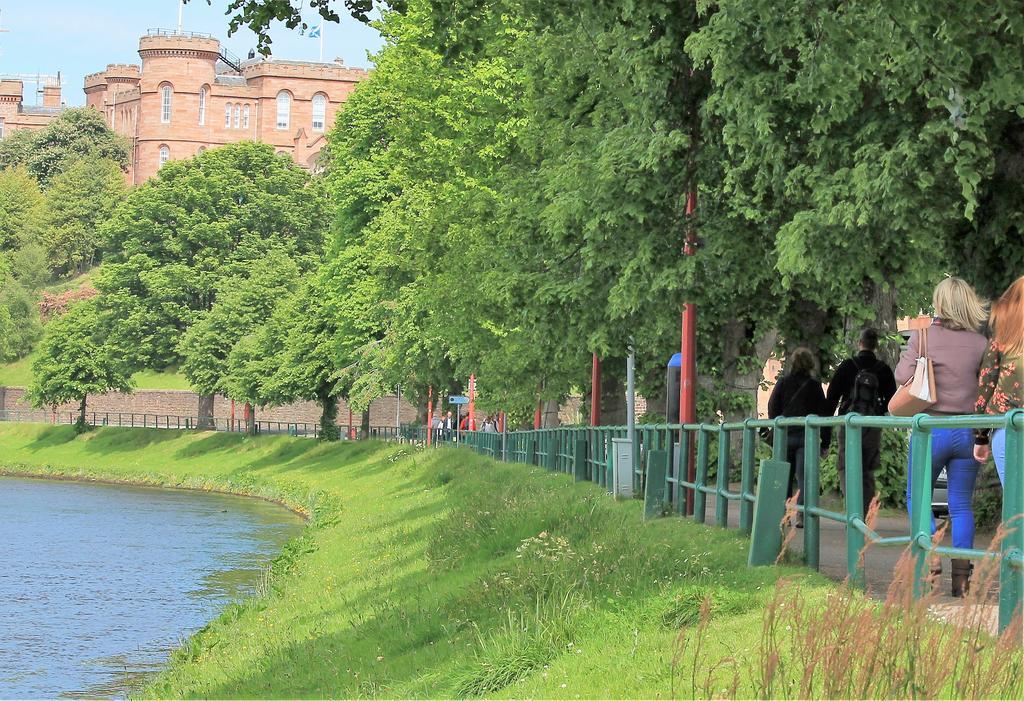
(51,96)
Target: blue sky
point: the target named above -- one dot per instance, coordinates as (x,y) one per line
(77,37)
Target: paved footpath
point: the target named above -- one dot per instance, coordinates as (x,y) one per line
(879,562)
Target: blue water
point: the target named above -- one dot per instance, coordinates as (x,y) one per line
(98,583)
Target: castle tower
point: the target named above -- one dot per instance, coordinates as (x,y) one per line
(191,94)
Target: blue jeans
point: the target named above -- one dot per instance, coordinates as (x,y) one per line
(953,449)
(999,453)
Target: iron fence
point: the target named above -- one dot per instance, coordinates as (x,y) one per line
(661,454)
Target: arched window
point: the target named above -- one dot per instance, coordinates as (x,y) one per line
(165,103)
(284,110)
(202,105)
(319,111)
(165,154)
(245,117)
(227,115)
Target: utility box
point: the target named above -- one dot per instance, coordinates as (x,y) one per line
(673,380)
(622,468)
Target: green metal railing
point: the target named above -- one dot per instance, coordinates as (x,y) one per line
(660,479)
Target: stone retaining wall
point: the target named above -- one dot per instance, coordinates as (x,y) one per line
(185,403)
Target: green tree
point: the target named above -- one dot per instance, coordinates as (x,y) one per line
(201,221)
(244,301)
(21,209)
(292,356)
(76,360)
(73,135)
(257,15)
(78,202)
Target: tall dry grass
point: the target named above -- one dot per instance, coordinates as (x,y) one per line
(850,646)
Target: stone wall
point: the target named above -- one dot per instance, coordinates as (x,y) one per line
(185,403)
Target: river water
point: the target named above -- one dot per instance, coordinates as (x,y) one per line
(99,582)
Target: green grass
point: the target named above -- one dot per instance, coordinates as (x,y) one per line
(436,573)
(19,374)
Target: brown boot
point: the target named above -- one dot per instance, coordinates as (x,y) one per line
(961,577)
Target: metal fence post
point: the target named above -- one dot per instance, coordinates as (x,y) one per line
(854,503)
(579,460)
(747,477)
(654,495)
(920,499)
(700,500)
(722,483)
(1011,574)
(812,482)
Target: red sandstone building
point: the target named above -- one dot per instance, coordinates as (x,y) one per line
(190,94)
(15,114)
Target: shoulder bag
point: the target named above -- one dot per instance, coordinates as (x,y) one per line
(918,394)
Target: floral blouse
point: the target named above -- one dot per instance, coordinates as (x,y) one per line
(1000,382)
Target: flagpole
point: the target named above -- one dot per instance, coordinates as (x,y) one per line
(181,6)
(322,23)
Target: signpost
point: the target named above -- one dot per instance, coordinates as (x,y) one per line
(458,400)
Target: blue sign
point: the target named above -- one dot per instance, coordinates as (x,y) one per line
(458,399)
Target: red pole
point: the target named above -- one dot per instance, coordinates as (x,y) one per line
(688,369)
(232,415)
(472,402)
(430,414)
(595,391)
(501,422)
(536,415)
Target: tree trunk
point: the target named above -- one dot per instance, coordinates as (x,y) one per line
(329,417)
(613,397)
(549,414)
(884,302)
(744,361)
(80,424)
(365,424)
(204,420)
(250,419)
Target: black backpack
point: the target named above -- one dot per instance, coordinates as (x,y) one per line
(865,396)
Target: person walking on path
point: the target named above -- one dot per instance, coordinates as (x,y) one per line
(489,425)
(862,384)
(1001,378)
(955,348)
(448,426)
(799,394)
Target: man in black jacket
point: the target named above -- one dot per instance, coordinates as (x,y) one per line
(863,384)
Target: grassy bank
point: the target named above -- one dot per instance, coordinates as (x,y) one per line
(19,374)
(439,574)
(445,574)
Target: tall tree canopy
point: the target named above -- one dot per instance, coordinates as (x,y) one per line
(177,239)
(74,134)
(76,359)
(78,202)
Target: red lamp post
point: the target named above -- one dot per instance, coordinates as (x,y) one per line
(430,414)
(688,350)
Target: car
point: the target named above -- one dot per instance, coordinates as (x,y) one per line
(940,496)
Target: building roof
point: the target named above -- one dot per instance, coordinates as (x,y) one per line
(36,109)
(232,80)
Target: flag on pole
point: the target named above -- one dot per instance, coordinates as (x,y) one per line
(314,32)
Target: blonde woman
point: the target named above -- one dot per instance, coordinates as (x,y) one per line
(1001,379)
(955,347)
